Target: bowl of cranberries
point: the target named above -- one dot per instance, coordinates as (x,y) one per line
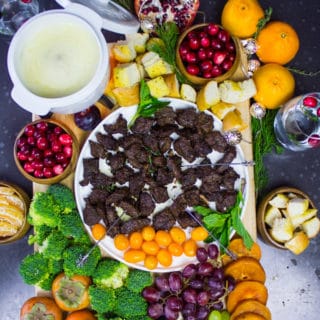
(45,151)
(207,52)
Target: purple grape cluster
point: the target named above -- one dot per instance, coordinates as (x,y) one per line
(194,292)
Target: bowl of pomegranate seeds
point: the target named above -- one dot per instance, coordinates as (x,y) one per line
(45,151)
(207,52)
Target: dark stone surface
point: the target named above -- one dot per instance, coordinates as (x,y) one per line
(293,282)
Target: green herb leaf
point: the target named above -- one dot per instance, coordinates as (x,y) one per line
(127,4)
(303,72)
(204,211)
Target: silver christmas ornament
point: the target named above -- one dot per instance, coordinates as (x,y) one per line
(233,137)
(257,110)
(249,46)
(147,25)
(253,65)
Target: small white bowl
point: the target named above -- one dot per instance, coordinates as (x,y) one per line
(82,95)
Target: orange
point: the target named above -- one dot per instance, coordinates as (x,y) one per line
(177,235)
(275,85)
(150,247)
(121,242)
(163,238)
(98,231)
(135,240)
(148,233)
(150,262)
(199,234)
(164,257)
(240,17)
(190,248)
(277,42)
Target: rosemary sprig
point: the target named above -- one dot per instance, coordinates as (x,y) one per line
(303,72)
(263,21)
(265,141)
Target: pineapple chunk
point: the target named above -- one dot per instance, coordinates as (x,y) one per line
(222,108)
(282,230)
(297,206)
(271,214)
(188,93)
(279,201)
(208,95)
(235,92)
(158,87)
(126,75)
(301,218)
(311,227)
(298,243)
(123,51)
(154,65)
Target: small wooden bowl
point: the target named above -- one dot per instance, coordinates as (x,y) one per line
(66,171)
(26,202)
(263,228)
(199,80)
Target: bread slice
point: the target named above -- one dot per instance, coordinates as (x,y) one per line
(282,230)
(311,227)
(298,243)
(126,75)
(123,51)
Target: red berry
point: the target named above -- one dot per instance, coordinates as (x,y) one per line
(29,130)
(213,29)
(194,43)
(310,102)
(191,57)
(47,152)
(314,141)
(65,139)
(230,47)
(31,141)
(202,55)
(67,150)
(210,52)
(57,169)
(216,44)
(318,112)
(21,156)
(227,64)
(61,158)
(219,57)
(28,167)
(47,172)
(216,71)
(193,69)
(223,35)
(48,162)
(206,65)
(191,34)
(42,143)
(57,130)
(42,126)
(56,146)
(207,74)
(38,173)
(205,42)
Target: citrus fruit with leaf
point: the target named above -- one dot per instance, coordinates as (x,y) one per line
(240,17)
(278,42)
(275,85)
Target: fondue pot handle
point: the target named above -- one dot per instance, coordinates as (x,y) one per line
(86,13)
(30,102)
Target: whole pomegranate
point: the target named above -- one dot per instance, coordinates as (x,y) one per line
(182,12)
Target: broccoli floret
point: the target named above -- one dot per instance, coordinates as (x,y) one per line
(72,257)
(63,197)
(137,280)
(41,232)
(71,225)
(129,304)
(110,273)
(43,210)
(54,245)
(102,300)
(139,318)
(55,266)
(34,269)
(46,284)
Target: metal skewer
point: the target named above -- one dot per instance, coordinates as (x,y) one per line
(246,163)
(85,257)
(227,251)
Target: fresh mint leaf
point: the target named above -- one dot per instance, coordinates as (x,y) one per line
(215,220)
(240,229)
(203,211)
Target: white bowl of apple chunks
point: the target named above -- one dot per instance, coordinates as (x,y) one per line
(287,219)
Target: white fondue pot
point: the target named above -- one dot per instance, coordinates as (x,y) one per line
(87,83)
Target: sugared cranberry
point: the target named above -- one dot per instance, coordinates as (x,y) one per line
(310,102)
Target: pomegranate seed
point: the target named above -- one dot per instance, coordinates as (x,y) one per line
(202,55)
(205,42)
(216,71)
(42,143)
(57,169)
(47,172)
(194,43)
(42,126)
(29,130)
(219,57)
(213,29)
(65,139)
(28,167)
(193,69)
(310,102)
(206,66)
(314,141)
(67,150)
(191,57)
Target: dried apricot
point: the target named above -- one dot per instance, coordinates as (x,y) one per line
(190,248)
(163,238)
(164,257)
(245,290)
(148,233)
(150,262)
(199,234)
(135,240)
(251,306)
(134,256)
(121,242)
(177,235)
(98,231)
(175,249)
(150,247)
(245,268)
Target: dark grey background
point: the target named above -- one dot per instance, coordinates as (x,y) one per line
(293,281)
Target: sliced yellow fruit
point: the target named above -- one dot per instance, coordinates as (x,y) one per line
(297,206)
(298,220)
(311,227)
(126,75)
(173,85)
(208,96)
(138,40)
(221,109)
(6,190)
(233,121)
(188,93)
(127,96)
(282,230)
(279,201)
(7,229)
(235,92)
(271,214)
(158,87)
(298,243)
(13,200)
(123,51)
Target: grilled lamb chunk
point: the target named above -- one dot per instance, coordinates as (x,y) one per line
(229,155)
(165,116)
(136,183)
(146,204)
(130,139)
(229,177)
(133,225)
(90,168)
(137,153)
(201,148)
(101,181)
(216,141)
(129,207)
(117,195)
(164,176)
(228,200)
(151,142)
(174,165)
(186,221)
(209,190)
(187,118)
(142,125)
(108,142)
(98,195)
(110,215)
(97,150)
(183,147)
(120,126)
(159,194)
(164,131)
(205,123)
(90,215)
(159,161)
(116,161)
(163,220)
(123,174)
(178,206)
(165,144)
(192,197)
(188,177)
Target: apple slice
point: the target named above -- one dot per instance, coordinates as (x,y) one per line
(311,227)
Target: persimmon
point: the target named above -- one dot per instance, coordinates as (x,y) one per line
(245,268)
(81,315)
(251,306)
(245,290)
(237,246)
(37,306)
(71,293)
(249,316)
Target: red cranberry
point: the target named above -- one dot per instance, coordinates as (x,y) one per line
(230,47)
(26,150)
(216,44)
(22,141)
(57,130)
(194,43)
(42,143)
(65,139)
(192,34)
(21,156)
(223,35)
(210,52)
(57,169)
(232,57)
(206,65)
(67,150)
(193,69)
(61,158)
(47,152)
(37,165)
(42,126)
(191,57)
(310,102)
(38,134)
(219,57)
(205,42)
(28,167)
(48,162)
(216,71)
(227,64)
(207,74)
(202,55)
(29,130)
(31,141)
(38,173)
(56,146)
(318,112)
(213,29)
(47,172)
(36,153)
